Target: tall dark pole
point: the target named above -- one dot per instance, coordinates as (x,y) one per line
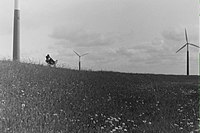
(187,60)
(16,33)
(79,68)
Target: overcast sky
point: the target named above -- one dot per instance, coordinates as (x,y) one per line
(138,36)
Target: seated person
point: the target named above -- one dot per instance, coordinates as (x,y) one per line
(50,61)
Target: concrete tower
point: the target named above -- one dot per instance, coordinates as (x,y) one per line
(16,33)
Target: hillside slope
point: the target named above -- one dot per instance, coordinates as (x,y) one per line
(40,99)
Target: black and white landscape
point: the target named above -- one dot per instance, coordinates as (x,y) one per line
(99,66)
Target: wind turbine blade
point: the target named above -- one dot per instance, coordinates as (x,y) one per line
(76,53)
(194,45)
(186,36)
(181,48)
(84,54)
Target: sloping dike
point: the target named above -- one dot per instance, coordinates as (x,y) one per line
(41,99)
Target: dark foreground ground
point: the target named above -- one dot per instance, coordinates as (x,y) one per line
(40,99)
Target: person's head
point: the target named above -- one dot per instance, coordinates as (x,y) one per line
(47,57)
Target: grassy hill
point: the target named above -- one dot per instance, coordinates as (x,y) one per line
(40,99)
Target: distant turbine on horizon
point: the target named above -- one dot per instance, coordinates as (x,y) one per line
(187,44)
(16,32)
(79,68)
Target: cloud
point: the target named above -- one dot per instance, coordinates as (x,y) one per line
(155,52)
(173,34)
(157,41)
(178,33)
(102,58)
(83,37)
(124,52)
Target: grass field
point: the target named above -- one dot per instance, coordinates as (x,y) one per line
(40,99)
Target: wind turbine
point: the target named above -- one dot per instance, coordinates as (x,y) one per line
(16,32)
(80,58)
(187,44)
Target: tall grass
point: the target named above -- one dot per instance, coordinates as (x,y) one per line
(41,99)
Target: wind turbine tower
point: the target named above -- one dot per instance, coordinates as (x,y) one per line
(16,32)
(187,44)
(79,64)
